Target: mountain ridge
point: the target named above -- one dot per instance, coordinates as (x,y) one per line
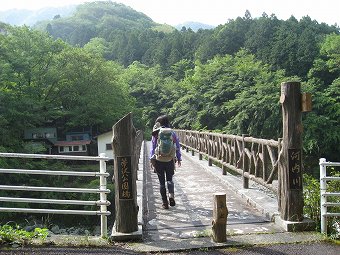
(194,25)
(20,17)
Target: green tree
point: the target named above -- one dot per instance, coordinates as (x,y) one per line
(88,90)
(235,94)
(98,46)
(44,82)
(26,57)
(322,134)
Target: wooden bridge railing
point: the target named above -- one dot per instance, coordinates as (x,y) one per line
(264,160)
(253,158)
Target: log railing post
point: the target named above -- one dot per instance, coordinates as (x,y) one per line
(123,144)
(219,222)
(200,155)
(290,165)
(244,163)
(265,172)
(210,149)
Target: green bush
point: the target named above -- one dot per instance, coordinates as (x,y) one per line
(312,203)
(311,192)
(14,234)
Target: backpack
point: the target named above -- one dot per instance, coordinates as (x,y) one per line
(166,145)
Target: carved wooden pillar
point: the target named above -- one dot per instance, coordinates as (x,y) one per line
(125,175)
(290,166)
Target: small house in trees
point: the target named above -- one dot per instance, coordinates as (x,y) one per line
(46,140)
(76,143)
(104,144)
(79,148)
(41,139)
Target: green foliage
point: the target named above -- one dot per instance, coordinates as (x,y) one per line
(44,82)
(96,19)
(14,234)
(322,135)
(311,192)
(132,36)
(235,94)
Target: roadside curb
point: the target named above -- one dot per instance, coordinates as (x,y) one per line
(180,245)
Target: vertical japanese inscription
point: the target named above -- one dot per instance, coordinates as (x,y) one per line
(294,169)
(125,177)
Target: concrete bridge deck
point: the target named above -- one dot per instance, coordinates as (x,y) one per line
(188,224)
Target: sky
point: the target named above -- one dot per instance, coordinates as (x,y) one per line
(212,12)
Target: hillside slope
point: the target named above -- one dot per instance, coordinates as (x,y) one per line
(104,19)
(19,17)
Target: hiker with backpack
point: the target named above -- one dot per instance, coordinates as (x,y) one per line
(165,152)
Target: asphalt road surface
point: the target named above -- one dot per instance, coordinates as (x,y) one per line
(322,248)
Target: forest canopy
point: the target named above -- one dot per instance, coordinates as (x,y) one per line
(108,59)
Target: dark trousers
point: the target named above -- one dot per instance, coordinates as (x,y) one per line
(165,172)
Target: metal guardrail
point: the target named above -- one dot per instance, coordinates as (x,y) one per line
(102,190)
(324,194)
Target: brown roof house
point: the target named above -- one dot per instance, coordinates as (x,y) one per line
(76,143)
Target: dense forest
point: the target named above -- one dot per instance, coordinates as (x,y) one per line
(107,59)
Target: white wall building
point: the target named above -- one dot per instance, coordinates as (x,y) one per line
(104,143)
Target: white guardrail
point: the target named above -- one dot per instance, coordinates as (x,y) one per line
(324,193)
(102,190)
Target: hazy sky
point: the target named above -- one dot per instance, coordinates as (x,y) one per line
(211,12)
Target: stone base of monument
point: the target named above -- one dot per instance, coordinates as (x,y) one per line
(134,236)
(295,226)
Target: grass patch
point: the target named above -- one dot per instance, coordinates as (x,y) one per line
(14,235)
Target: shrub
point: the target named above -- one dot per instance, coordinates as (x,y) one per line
(312,204)
(14,234)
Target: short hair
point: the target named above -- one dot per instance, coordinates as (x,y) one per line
(163,120)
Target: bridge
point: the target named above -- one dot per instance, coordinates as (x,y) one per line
(250,211)
(261,180)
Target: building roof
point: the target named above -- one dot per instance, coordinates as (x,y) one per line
(105,133)
(72,143)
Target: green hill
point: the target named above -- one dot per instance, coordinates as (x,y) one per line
(103,19)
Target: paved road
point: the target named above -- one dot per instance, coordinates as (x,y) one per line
(322,248)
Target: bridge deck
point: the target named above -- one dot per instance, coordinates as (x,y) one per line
(195,184)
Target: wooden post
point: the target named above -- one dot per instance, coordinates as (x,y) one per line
(265,157)
(245,165)
(219,222)
(224,170)
(290,165)
(123,145)
(210,162)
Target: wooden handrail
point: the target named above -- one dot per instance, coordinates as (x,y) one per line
(254,158)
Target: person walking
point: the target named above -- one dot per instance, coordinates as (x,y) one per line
(164,154)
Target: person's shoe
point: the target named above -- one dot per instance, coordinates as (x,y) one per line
(172,201)
(165,206)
